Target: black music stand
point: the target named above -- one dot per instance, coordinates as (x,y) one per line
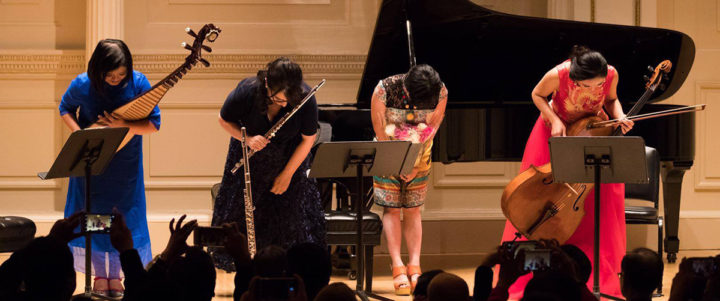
(86,153)
(598,160)
(370,158)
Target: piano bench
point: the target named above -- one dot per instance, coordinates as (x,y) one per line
(641,215)
(15,233)
(342,231)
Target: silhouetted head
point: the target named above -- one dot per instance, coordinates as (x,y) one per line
(312,263)
(642,271)
(447,287)
(271,261)
(583,266)
(552,286)
(335,292)
(48,271)
(193,275)
(423,281)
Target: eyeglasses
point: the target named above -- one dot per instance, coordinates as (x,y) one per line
(273,97)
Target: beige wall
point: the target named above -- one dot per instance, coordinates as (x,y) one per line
(330,39)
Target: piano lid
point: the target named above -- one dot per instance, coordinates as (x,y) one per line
(488,58)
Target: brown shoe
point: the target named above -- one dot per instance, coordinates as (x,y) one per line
(400,281)
(413,272)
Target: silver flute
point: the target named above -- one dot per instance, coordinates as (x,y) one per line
(249,208)
(276,127)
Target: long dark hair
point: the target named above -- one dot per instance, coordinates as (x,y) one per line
(586,64)
(280,74)
(423,83)
(109,55)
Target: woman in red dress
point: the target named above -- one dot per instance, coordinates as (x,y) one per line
(580,86)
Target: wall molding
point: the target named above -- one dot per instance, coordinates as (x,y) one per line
(477,175)
(28,183)
(251,63)
(703,181)
(73,62)
(462,214)
(70,62)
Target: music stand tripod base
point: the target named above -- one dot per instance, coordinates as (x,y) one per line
(598,160)
(87,153)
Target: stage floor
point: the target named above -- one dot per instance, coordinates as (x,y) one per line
(382,282)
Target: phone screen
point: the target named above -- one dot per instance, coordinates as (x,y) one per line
(98,223)
(705,266)
(276,288)
(537,260)
(209,236)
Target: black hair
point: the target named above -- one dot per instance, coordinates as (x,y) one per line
(586,64)
(583,266)
(109,55)
(282,74)
(337,291)
(48,271)
(271,261)
(312,263)
(423,282)
(423,84)
(642,271)
(193,275)
(446,286)
(553,285)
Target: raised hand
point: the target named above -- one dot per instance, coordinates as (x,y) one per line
(120,235)
(179,234)
(236,243)
(63,228)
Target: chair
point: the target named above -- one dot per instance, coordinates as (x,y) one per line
(649,215)
(342,225)
(15,233)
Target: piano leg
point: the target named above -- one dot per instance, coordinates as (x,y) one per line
(672,176)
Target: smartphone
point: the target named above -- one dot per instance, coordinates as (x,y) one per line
(275,288)
(209,236)
(97,223)
(704,266)
(537,260)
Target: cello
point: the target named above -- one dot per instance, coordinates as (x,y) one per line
(540,208)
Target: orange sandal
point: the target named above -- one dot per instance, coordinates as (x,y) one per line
(402,287)
(413,272)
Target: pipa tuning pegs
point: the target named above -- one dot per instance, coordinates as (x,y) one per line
(190,32)
(205,62)
(206,48)
(651,69)
(186,46)
(646,78)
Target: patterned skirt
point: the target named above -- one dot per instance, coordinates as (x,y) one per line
(394,192)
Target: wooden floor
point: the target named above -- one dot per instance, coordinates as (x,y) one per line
(382,282)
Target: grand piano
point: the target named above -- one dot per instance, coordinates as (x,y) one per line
(490,61)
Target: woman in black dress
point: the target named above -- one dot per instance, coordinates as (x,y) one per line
(287,202)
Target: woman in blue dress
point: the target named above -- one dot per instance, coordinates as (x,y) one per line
(287,202)
(109,83)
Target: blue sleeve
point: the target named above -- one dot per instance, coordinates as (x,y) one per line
(141,86)
(73,97)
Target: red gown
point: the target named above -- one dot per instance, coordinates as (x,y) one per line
(571,103)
